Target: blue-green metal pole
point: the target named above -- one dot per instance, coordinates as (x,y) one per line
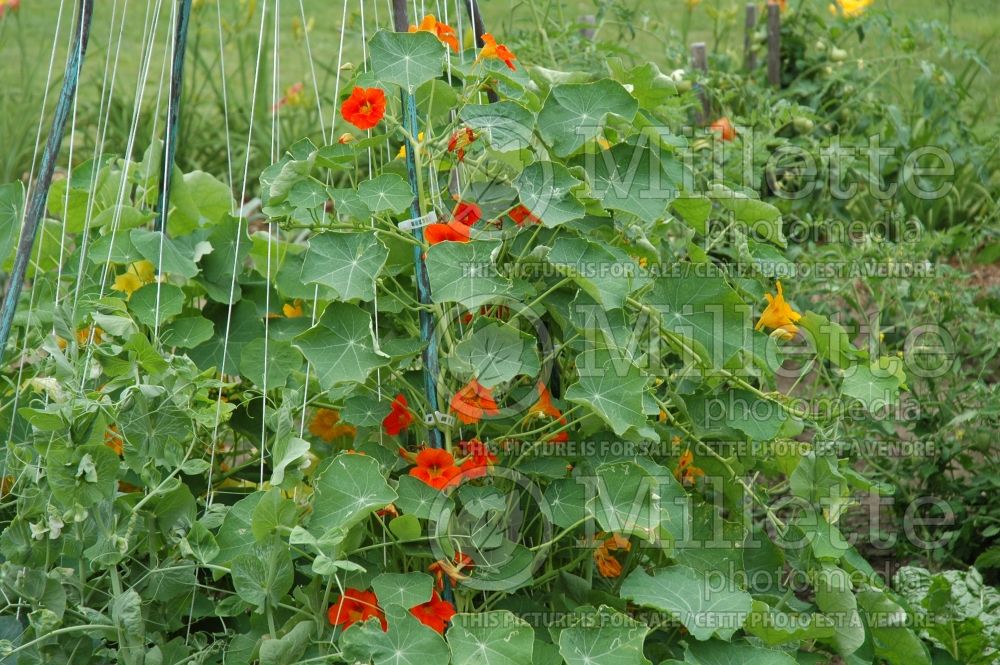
(40,190)
(173,113)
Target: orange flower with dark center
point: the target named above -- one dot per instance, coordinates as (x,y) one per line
(354,606)
(686,472)
(453,569)
(479,458)
(113,440)
(452,232)
(545,407)
(472,402)
(436,467)
(399,417)
(364,108)
(435,613)
(467,213)
(327,426)
(461,140)
(493,50)
(725,128)
(443,31)
(521,214)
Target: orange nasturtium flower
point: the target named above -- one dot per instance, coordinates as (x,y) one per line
(292,310)
(453,569)
(724,127)
(520,214)
(850,8)
(479,458)
(399,417)
(493,50)
(327,426)
(779,315)
(113,440)
(364,108)
(461,140)
(435,613)
(355,605)
(781,3)
(686,472)
(9,6)
(294,96)
(453,231)
(436,467)
(83,335)
(545,407)
(443,31)
(607,564)
(472,402)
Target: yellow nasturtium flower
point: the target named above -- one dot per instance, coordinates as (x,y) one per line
(850,8)
(402,149)
(779,315)
(135,277)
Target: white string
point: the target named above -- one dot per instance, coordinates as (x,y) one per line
(312,72)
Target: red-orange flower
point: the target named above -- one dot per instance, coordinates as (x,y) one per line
(545,407)
(461,140)
(364,108)
(354,606)
(452,231)
(399,417)
(327,426)
(479,458)
(435,613)
(493,50)
(472,402)
(467,213)
(113,440)
(453,569)
(724,128)
(436,467)
(443,31)
(607,564)
(686,472)
(520,215)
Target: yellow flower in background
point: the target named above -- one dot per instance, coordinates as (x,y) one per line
(402,149)
(136,276)
(850,8)
(779,315)
(292,310)
(83,335)
(298,30)
(326,425)
(691,4)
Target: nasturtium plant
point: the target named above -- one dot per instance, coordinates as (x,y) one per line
(481,384)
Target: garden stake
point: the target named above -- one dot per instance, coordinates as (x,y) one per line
(749,52)
(430,357)
(40,191)
(173,113)
(699,62)
(774,44)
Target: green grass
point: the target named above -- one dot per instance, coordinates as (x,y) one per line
(643,28)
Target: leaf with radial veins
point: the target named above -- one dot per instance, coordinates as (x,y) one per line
(603,637)
(597,271)
(575,112)
(610,387)
(504,125)
(498,637)
(546,189)
(406,642)
(349,489)
(407,59)
(465,273)
(341,346)
(386,193)
(348,263)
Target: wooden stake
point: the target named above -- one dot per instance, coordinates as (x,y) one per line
(588,32)
(699,62)
(774,44)
(749,52)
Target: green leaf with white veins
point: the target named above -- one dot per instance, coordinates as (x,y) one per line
(759,216)
(546,189)
(628,500)
(603,637)
(875,389)
(604,277)
(498,637)
(348,263)
(496,353)
(404,589)
(349,489)
(406,59)
(630,178)
(387,192)
(611,388)
(721,653)
(341,346)
(703,607)
(504,125)
(576,112)
(153,245)
(465,273)
(263,574)
(187,332)
(835,598)
(406,642)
